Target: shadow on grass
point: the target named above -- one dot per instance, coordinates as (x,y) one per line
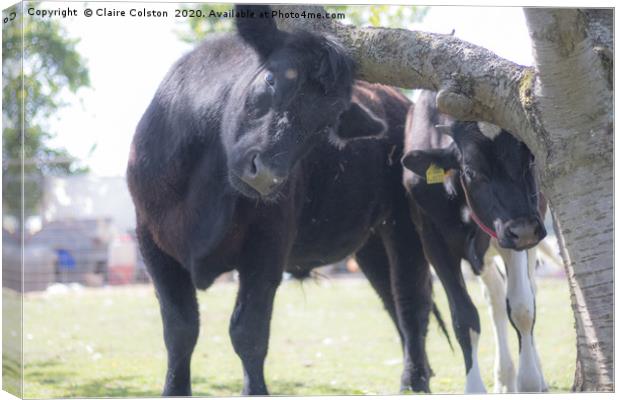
(293,388)
(50,373)
(209,388)
(10,364)
(119,386)
(46,373)
(276,388)
(554,388)
(11,374)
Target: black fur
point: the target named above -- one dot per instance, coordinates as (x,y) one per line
(257,28)
(442,324)
(268,100)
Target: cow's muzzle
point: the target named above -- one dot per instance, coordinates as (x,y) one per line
(260,177)
(521,233)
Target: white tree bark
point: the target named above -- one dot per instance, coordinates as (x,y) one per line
(561,108)
(573,103)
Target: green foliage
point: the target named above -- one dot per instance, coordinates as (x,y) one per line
(33,90)
(200,27)
(387,16)
(195,29)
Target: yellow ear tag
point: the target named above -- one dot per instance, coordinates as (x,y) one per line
(434,174)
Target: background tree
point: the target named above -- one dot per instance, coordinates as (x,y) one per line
(51,69)
(562,108)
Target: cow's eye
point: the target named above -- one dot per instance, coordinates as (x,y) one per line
(270,79)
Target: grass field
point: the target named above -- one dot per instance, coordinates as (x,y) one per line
(11,342)
(328,337)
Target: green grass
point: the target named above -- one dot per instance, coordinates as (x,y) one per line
(331,337)
(11,342)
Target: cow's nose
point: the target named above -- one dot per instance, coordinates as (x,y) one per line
(260,177)
(524,233)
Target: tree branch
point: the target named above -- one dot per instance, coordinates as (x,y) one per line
(563,51)
(472,82)
(601,31)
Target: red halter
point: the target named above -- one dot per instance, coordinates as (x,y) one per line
(477,220)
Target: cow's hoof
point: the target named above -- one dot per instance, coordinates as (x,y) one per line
(530,382)
(416,381)
(414,389)
(419,386)
(177,392)
(255,392)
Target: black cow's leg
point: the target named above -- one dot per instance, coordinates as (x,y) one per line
(259,276)
(374,263)
(249,328)
(465,320)
(410,282)
(179,310)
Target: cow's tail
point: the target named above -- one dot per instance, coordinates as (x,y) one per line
(441,324)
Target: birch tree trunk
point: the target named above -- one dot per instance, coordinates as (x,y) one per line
(573,103)
(561,108)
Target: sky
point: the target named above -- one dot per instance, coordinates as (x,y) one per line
(128,57)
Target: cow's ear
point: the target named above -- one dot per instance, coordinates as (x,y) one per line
(257,28)
(419,161)
(359,122)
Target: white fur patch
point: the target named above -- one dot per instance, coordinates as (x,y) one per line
(336,140)
(495,293)
(448,185)
(473,379)
(489,130)
(282,124)
(465,214)
(520,295)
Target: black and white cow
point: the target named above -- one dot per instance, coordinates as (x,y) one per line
(473,194)
(231,168)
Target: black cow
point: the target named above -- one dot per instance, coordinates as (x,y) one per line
(232,167)
(474,182)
